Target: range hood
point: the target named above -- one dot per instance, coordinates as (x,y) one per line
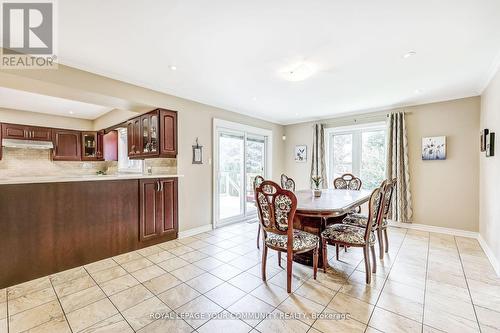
(28,144)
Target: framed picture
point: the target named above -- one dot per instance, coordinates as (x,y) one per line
(484,133)
(434,148)
(490,144)
(301,153)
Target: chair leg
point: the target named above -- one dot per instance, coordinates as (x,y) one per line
(368,270)
(258,238)
(380,243)
(325,256)
(337,250)
(289,262)
(264,259)
(315,261)
(279,258)
(386,241)
(374,259)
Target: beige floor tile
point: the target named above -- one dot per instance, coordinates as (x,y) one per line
(107,274)
(278,323)
(3,310)
(91,314)
(180,250)
(233,325)
(167,325)
(3,325)
(485,294)
(114,324)
(162,283)
(225,294)
(140,315)
(246,281)
(150,250)
(271,294)
(130,297)
(429,329)
(225,256)
(100,265)
(316,292)
(251,304)
(225,272)
(81,298)
(200,305)
(28,287)
(333,322)
(211,249)
(448,290)
(74,286)
(194,256)
(66,276)
(280,280)
(358,309)
(178,296)
(114,286)
(363,292)
(403,300)
(169,245)
(387,321)
(170,265)
(296,304)
(3,295)
(448,322)
(270,270)
(56,325)
(489,320)
(187,272)
(34,317)
(29,301)
(127,257)
(148,273)
(434,302)
(208,263)
(204,282)
(135,265)
(160,256)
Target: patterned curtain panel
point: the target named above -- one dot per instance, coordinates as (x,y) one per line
(318,166)
(398,167)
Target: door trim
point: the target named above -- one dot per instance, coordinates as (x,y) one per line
(220,124)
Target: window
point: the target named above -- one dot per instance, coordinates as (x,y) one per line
(124,163)
(359,150)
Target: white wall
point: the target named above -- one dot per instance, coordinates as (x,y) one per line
(489,193)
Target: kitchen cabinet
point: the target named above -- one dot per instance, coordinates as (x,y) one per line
(158,209)
(0,142)
(23,132)
(153,134)
(67,145)
(92,146)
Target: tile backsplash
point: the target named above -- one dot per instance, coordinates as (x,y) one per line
(19,162)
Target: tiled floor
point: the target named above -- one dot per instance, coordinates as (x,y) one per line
(427,283)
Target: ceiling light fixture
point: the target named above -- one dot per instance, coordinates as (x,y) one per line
(298,71)
(172,67)
(418,91)
(71,112)
(409,54)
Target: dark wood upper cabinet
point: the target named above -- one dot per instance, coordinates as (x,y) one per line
(158,209)
(0,141)
(92,146)
(67,145)
(23,132)
(155,133)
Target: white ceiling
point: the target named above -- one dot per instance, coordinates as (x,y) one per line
(27,101)
(232,53)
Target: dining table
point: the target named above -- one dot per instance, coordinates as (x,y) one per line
(314,214)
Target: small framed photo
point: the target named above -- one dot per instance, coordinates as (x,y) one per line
(490,144)
(434,148)
(301,153)
(484,133)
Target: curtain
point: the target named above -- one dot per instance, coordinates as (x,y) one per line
(318,166)
(398,167)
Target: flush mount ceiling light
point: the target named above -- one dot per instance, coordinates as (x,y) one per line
(418,91)
(409,54)
(71,112)
(172,67)
(298,71)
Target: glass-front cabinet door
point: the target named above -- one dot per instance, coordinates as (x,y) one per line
(150,134)
(89,141)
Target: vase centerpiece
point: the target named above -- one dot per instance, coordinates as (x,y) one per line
(317,180)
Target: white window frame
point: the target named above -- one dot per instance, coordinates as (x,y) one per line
(356,131)
(126,165)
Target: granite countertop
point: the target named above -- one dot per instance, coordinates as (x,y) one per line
(80,178)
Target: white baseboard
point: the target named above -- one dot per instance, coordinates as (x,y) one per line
(454,232)
(195,231)
(491,256)
(431,228)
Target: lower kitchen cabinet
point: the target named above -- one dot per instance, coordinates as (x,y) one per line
(158,209)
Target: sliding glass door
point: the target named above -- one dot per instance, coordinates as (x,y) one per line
(241,156)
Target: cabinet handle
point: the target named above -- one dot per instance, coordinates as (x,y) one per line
(161,186)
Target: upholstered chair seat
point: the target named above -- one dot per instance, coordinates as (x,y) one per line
(302,241)
(346,233)
(360,220)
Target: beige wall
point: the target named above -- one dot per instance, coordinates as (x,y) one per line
(489,211)
(195,120)
(41,119)
(445,193)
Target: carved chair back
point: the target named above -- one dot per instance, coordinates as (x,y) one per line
(347,182)
(375,210)
(390,186)
(287,183)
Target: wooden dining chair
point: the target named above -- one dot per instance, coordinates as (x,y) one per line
(361,220)
(353,236)
(287,183)
(276,213)
(256,183)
